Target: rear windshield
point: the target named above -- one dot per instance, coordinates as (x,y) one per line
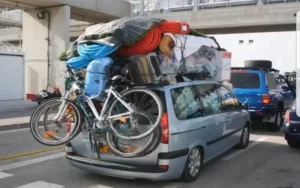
(245,80)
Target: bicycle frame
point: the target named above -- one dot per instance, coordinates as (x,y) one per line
(110,92)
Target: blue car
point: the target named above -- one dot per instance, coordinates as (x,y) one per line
(292,127)
(267,94)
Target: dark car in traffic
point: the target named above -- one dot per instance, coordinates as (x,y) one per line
(292,127)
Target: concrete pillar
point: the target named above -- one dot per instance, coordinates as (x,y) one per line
(195,8)
(35,47)
(259,2)
(142,7)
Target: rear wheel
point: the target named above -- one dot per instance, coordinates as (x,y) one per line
(277,124)
(132,148)
(49,137)
(146,104)
(193,164)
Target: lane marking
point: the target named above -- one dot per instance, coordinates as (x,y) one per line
(32,161)
(256,142)
(99,186)
(41,184)
(5,175)
(173,185)
(14,130)
(30,153)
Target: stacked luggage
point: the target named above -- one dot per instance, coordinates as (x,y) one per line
(153,50)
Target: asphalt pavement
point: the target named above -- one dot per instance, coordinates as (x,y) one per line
(267,163)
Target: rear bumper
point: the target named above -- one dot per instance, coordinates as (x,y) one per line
(264,111)
(292,136)
(289,135)
(174,170)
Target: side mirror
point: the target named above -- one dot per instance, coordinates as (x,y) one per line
(244,106)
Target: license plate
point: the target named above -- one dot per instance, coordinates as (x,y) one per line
(106,149)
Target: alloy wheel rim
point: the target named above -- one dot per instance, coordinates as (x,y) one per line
(194,162)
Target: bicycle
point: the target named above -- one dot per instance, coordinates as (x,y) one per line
(84,110)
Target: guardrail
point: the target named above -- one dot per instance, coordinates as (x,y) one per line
(162,6)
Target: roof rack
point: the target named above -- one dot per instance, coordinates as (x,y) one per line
(253,68)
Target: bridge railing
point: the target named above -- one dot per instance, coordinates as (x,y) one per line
(279,1)
(160,6)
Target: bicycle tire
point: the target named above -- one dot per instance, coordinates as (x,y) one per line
(157,121)
(34,128)
(44,103)
(154,138)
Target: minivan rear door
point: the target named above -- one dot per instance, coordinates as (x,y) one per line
(247,87)
(83,147)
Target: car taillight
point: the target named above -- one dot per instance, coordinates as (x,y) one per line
(287,117)
(164,124)
(163,167)
(266,99)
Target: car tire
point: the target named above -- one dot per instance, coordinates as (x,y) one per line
(245,138)
(261,64)
(277,125)
(193,165)
(293,144)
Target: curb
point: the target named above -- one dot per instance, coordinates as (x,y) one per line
(14,126)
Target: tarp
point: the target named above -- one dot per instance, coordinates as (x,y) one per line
(124,31)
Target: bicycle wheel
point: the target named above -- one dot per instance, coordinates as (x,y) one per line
(42,104)
(141,148)
(131,97)
(44,138)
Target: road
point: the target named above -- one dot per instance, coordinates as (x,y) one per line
(267,163)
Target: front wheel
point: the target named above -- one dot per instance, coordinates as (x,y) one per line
(51,136)
(146,105)
(245,138)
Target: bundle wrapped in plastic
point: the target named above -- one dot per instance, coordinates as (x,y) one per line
(202,61)
(185,54)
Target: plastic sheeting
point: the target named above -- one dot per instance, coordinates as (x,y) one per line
(201,61)
(124,31)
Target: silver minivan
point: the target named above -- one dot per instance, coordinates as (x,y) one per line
(202,120)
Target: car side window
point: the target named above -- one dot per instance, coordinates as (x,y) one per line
(272,82)
(228,100)
(185,103)
(209,98)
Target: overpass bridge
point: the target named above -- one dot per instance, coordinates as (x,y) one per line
(50,20)
(227,16)
(46,33)
(84,10)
